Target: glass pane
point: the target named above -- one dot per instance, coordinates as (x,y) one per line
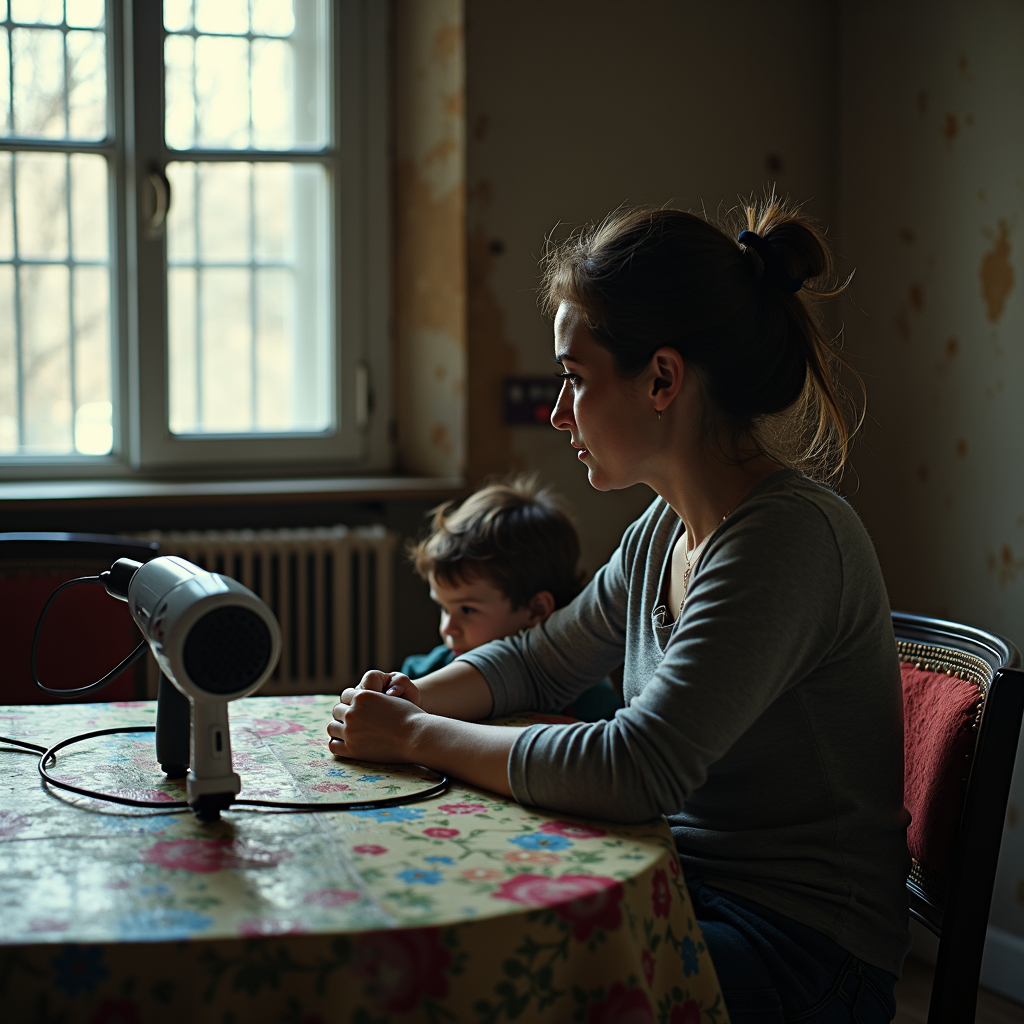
(56,365)
(8,366)
(87,85)
(177,15)
(42,205)
(224,212)
(6,210)
(268,91)
(179,78)
(37,12)
(249,313)
(222,16)
(222,92)
(39,108)
(5,82)
(273,17)
(89,222)
(46,359)
(84,13)
(94,434)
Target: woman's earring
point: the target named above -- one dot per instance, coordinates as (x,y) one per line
(659,415)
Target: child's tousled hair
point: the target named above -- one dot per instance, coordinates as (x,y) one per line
(511,534)
(743,314)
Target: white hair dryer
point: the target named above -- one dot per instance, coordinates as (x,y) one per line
(215,641)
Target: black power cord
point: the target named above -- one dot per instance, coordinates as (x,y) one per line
(48,756)
(81,691)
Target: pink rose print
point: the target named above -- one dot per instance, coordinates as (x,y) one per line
(11,824)
(203,856)
(481,874)
(462,808)
(399,968)
(440,833)
(647,962)
(330,897)
(116,1011)
(47,924)
(135,793)
(623,1006)
(688,1013)
(128,703)
(257,928)
(275,727)
(330,787)
(532,857)
(588,901)
(370,849)
(572,830)
(661,895)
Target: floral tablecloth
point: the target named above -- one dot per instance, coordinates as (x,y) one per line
(463,908)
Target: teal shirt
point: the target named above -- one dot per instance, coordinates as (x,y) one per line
(598,703)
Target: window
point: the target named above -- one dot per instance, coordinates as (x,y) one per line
(193,236)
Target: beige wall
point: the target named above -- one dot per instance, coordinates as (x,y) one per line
(577,106)
(931,190)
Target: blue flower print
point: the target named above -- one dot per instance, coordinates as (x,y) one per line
(79,968)
(154,890)
(337,772)
(369,778)
(390,814)
(162,925)
(691,962)
(541,841)
(439,860)
(414,877)
(138,824)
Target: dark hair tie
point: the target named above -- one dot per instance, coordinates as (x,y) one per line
(771,259)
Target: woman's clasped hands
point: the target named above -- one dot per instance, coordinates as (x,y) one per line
(370,724)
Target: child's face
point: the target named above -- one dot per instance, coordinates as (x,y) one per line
(474,612)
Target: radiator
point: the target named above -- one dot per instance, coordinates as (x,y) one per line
(330,588)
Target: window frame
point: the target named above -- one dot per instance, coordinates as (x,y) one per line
(358,157)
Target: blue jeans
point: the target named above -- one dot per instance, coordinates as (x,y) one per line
(774,970)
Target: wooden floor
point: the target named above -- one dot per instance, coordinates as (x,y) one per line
(914,988)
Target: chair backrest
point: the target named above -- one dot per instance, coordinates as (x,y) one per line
(88,632)
(963,694)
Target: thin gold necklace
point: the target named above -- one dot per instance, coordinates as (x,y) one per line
(704,543)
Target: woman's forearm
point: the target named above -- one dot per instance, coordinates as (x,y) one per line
(456,691)
(477,754)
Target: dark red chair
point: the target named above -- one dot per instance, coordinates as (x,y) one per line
(963,698)
(87,632)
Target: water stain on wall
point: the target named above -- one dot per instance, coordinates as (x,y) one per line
(949,353)
(1005,566)
(961,447)
(996,272)
(950,128)
(916,296)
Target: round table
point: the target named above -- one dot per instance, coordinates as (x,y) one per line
(464,908)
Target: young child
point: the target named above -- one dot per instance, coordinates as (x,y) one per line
(501,562)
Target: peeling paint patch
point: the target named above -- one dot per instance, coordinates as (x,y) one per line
(916,296)
(441,438)
(1006,566)
(996,273)
(950,128)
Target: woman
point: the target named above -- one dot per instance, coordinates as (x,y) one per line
(764,713)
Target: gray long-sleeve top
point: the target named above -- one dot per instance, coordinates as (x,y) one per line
(766,722)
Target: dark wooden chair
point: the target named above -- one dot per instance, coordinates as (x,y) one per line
(963,692)
(87,631)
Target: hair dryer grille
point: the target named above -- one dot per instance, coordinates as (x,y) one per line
(226,650)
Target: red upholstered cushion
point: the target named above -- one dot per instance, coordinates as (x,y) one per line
(939,713)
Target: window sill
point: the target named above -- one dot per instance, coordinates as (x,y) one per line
(100,493)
